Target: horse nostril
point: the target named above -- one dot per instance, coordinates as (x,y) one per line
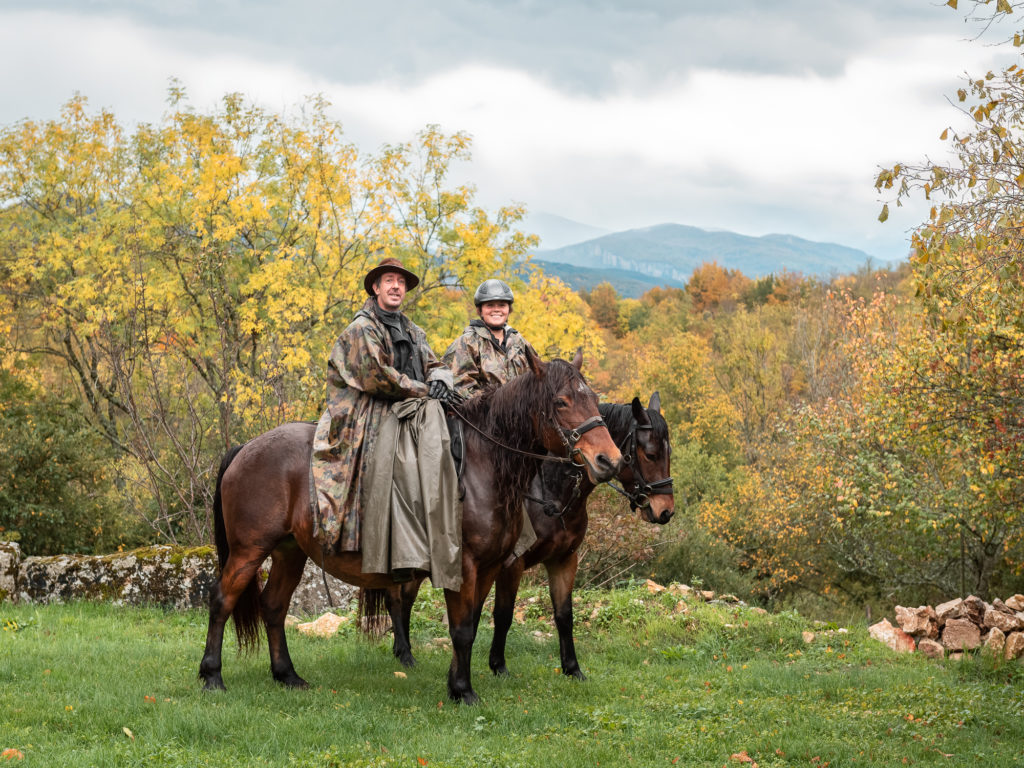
(604,464)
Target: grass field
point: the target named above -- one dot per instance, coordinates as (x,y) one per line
(716,685)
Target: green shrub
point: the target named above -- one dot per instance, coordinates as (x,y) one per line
(55,487)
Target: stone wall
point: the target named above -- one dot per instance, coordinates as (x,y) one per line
(170,576)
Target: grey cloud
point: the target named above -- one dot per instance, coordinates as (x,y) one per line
(586,46)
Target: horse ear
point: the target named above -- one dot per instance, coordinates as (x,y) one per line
(655,402)
(640,415)
(577,361)
(536,364)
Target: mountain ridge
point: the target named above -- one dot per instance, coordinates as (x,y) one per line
(670,253)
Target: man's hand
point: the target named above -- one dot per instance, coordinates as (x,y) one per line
(438,390)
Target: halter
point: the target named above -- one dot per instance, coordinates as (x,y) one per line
(641,491)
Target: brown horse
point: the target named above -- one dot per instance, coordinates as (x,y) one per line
(262,508)
(557,504)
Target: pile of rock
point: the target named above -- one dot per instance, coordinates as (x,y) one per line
(958,626)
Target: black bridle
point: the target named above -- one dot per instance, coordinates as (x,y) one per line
(570,437)
(640,492)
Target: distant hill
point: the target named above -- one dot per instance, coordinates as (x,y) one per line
(667,254)
(557,231)
(629,285)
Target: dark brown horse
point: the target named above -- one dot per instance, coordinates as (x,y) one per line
(557,504)
(262,508)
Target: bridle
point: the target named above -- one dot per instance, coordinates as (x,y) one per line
(570,438)
(641,490)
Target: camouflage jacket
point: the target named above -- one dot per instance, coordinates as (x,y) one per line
(361,385)
(477,360)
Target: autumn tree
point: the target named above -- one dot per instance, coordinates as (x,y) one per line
(960,382)
(189,278)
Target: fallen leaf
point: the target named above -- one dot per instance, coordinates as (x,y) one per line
(743,757)
(400,674)
(421,761)
(12,754)
(128,733)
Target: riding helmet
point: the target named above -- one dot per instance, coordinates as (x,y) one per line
(493,290)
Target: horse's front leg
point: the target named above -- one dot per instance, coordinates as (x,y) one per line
(505,589)
(287,564)
(400,600)
(561,578)
(464,609)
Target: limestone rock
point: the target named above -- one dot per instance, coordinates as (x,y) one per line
(961,635)
(808,637)
(948,610)
(974,608)
(918,622)
(1003,620)
(1014,647)
(683,590)
(1015,603)
(892,636)
(325,626)
(931,648)
(994,642)
(312,597)
(654,587)
(10,559)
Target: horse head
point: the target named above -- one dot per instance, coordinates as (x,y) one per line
(572,425)
(646,473)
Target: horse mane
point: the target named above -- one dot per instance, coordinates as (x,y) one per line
(507,413)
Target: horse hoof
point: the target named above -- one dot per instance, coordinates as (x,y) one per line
(576,674)
(501,671)
(214,685)
(407,660)
(293,681)
(469,698)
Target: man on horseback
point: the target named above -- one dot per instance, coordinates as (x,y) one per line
(490,352)
(380,365)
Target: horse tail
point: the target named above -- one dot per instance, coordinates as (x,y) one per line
(220,536)
(247,612)
(373,613)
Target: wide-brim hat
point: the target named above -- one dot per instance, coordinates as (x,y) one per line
(389,264)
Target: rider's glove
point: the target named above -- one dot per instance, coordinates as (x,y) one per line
(438,390)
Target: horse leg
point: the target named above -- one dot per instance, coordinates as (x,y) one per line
(561,578)
(506,586)
(464,609)
(287,564)
(237,580)
(400,600)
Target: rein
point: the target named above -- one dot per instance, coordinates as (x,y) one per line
(570,436)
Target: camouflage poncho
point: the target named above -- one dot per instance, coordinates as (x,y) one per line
(361,385)
(476,359)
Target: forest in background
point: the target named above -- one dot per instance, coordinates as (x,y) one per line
(172,290)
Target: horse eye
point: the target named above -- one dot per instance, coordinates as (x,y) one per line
(561,402)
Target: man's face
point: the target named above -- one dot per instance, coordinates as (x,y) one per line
(390,291)
(495,313)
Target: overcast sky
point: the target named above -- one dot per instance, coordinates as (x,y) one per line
(757,116)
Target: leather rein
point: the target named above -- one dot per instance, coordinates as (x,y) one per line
(639,495)
(570,437)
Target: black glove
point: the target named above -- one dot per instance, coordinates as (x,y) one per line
(438,390)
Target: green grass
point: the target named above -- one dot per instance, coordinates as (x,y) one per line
(101,685)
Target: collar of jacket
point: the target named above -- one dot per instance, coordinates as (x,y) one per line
(485,332)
